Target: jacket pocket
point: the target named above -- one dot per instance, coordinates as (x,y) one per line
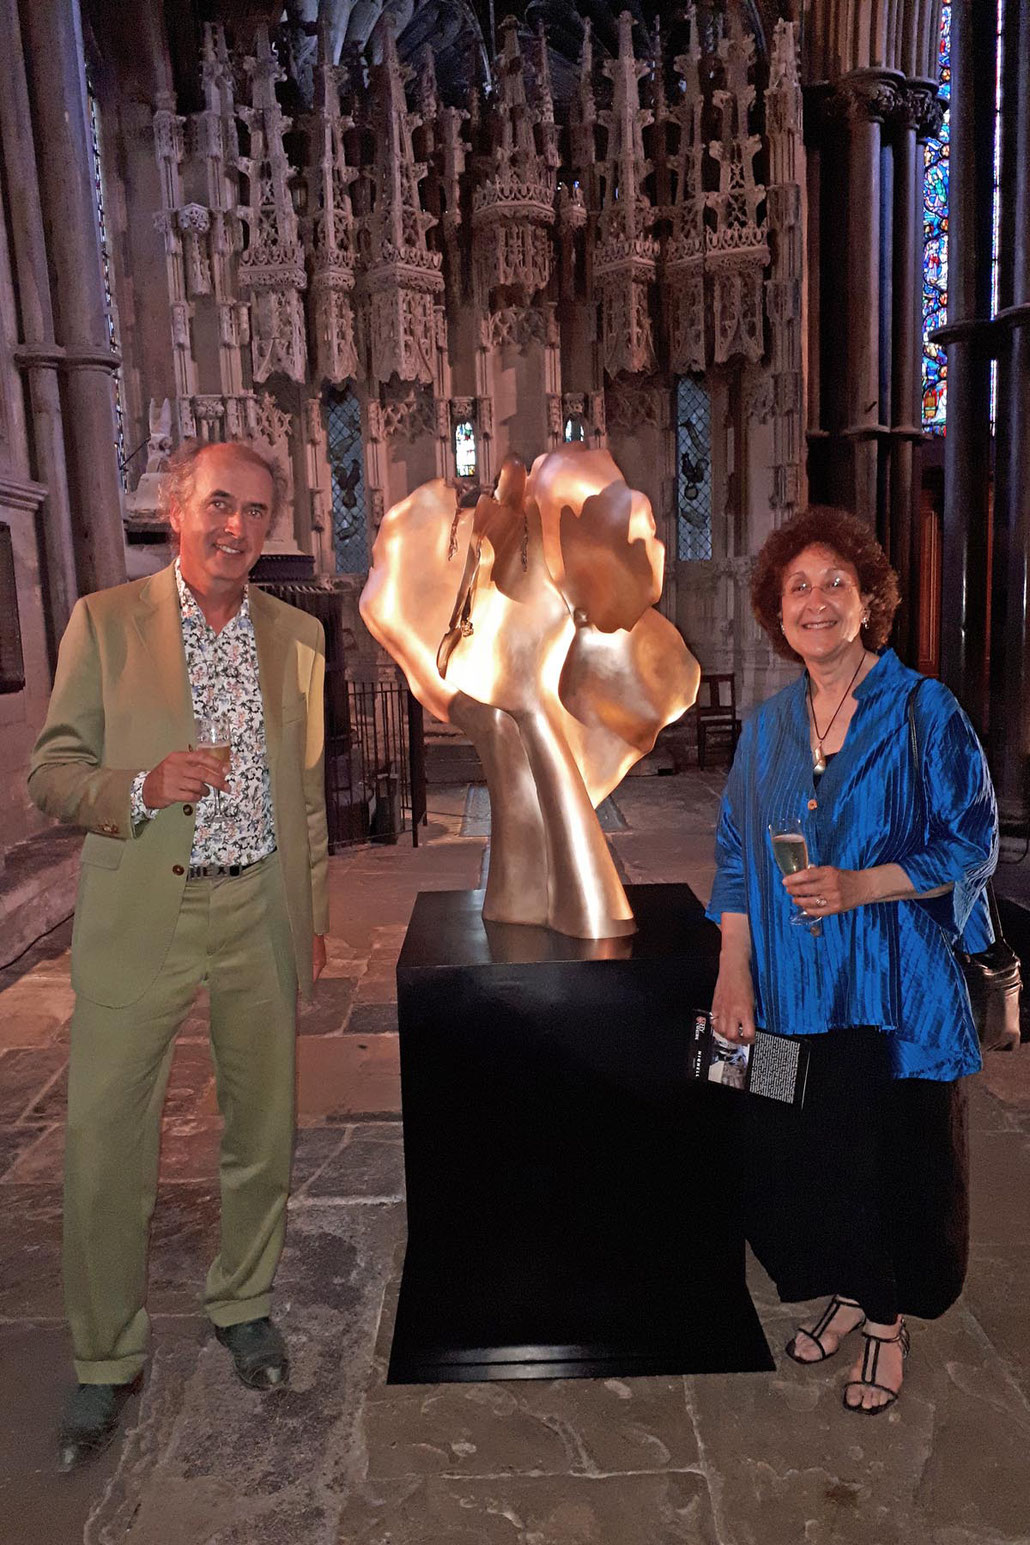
(104,852)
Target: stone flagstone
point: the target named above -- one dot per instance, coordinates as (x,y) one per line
(343,1458)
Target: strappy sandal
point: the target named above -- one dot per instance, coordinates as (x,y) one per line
(819,1330)
(870,1362)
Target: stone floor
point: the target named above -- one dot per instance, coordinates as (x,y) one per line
(342,1457)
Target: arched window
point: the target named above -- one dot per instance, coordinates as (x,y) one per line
(693,470)
(465,459)
(574,431)
(347,470)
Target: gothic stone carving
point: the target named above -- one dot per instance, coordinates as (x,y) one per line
(624,263)
(685,251)
(409,413)
(401,276)
(272,266)
(513,208)
(736,250)
(333,235)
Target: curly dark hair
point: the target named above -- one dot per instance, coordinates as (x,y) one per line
(850,538)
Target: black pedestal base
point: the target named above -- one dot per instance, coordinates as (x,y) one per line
(570,1192)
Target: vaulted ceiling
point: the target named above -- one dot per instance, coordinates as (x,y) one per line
(459,31)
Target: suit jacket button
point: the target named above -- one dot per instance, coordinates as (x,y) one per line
(178,869)
(813,804)
(187,809)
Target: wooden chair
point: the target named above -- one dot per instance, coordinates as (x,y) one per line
(717,715)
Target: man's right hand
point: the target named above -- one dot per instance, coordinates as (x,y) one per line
(183,775)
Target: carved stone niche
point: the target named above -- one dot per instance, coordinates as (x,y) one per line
(143,506)
(516,327)
(555,417)
(759,395)
(409,412)
(629,406)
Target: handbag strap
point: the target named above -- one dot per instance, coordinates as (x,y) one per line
(913,735)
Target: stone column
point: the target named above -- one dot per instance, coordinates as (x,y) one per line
(866,96)
(918,116)
(37,354)
(53,53)
(1009,728)
(967,446)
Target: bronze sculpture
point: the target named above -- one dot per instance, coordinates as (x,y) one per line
(528,621)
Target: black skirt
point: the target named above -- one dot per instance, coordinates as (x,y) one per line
(863,1192)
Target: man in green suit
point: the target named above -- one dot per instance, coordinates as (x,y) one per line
(192,873)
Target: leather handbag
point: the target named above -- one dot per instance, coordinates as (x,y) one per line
(992,975)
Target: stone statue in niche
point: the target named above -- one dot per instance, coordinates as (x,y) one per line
(526,618)
(145,501)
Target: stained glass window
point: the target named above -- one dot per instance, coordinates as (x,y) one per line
(935,235)
(108,274)
(935,247)
(465,449)
(574,431)
(347,471)
(996,196)
(693,470)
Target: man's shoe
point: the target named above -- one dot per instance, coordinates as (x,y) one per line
(258,1352)
(90,1421)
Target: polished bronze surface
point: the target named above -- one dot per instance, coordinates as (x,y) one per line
(529,623)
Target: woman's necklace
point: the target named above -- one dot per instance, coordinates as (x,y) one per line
(818,755)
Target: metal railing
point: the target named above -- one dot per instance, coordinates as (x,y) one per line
(375,781)
(375,777)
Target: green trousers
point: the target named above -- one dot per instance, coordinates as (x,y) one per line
(232,936)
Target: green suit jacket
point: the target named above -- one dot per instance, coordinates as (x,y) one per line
(121,702)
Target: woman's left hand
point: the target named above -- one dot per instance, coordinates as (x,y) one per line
(824,890)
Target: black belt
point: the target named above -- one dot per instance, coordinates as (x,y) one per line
(222,871)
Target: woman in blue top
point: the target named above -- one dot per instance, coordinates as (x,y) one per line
(862,1194)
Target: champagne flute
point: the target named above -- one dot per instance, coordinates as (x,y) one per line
(790,850)
(214,735)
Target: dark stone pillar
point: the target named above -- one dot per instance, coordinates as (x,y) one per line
(52,43)
(847,448)
(1009,730)
(967,450)
(867,96)
(37,352)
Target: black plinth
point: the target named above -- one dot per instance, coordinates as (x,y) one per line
(569,1191)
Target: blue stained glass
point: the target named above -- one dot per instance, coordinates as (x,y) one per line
(347,469)
(574,432)
(694,470)
(465,449)
(935,247)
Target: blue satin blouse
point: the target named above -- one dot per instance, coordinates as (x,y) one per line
(890,964)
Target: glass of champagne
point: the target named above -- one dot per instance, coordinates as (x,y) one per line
(214,735)
(790,851)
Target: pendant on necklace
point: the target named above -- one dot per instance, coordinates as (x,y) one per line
(819,761)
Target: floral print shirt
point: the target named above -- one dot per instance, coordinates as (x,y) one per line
(223,676)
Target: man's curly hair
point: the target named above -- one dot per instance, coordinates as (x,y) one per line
(181,473)
(848,537)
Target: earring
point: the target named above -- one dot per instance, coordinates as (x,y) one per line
(782,628)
